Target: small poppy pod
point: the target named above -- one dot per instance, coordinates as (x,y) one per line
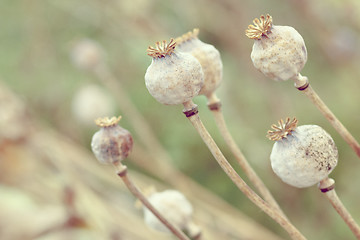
(207,55)
(89,102)
(173,77)
(279,52)
(87,54)
(302,156)
(173,206)
(112,143)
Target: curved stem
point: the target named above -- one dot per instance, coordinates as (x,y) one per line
(122,173)
(190,110)
(327,186)
(214,105)
(303,85)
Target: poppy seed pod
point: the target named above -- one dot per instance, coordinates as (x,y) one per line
(173,206)
(302,156)
(207,55)
(279,52)
(89,102)
(87,54)
(112,143)
(173,77)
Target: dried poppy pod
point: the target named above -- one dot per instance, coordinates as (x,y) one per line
(302,156)
(112,143)
(87,54)
(173,77)
(174,206)
(279,52)
(91,101)
(207,55)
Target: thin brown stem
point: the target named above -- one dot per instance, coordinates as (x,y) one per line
(122,173)
(327,186)
(190,110)
(303,85)
(214,105)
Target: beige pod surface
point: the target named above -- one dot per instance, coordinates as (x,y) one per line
(304,157)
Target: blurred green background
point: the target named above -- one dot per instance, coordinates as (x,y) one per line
(37,38)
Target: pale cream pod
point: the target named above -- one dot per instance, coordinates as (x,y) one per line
(207,55)
(302,156)
(174,206)
(87,54)
(89,102)
(279,52)
(173,77)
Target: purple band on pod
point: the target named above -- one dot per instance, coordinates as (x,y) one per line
(214,106)
(191,112)
(197,236)
(303,87)
(327,189)
(122,172)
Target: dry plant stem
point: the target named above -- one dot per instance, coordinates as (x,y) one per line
(214,105)
(122,173)
(327,186)
(303,85)
(190,110)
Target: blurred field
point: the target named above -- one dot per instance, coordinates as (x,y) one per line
(51,186)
